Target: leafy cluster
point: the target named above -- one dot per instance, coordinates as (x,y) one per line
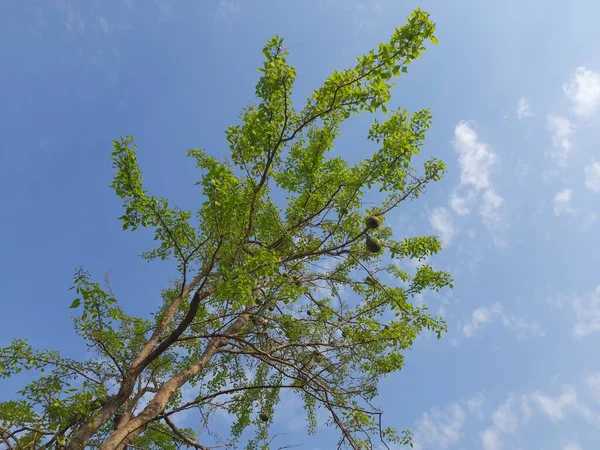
(270,299)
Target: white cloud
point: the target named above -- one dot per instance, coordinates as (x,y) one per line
(445,301)
(526,411)
(481,316)
(592,176)
(558,408)
(522,172)
(587,314)
(439,429)
(572,447)
(586,309)
(583,90)
(524,109)
(554,407)
(587,414)
(475,157)
(475,405)
(490,440)
(489,208)
(561,129)
(562,203)
(460,204)
(441,220)
(445,428)
(476,160)
(523,326)
(504,422)
(593,384)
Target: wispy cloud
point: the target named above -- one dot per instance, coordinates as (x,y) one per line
(592,176)
(555,407)
(526,411)
(583,90)
(562,203)
(441,220)
(585,309)
(572,447)
(476,160)
(439,428)
(593,385)
(504,422)
(489,211)
(475,157)
(443,427)
(475,405)
(490,439)
(522,172)
(561,129)
(460,204)
(480,317)
(587,313)
(524,109)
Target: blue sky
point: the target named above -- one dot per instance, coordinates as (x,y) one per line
(514,88)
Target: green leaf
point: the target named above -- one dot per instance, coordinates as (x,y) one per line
(75,303)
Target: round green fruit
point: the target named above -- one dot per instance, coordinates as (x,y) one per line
(373,245)
(373,222)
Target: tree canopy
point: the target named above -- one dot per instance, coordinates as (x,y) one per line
(305,295)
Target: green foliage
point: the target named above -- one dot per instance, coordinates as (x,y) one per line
(257,310)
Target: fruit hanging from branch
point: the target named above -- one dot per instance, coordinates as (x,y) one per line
(373,245)
(373,222)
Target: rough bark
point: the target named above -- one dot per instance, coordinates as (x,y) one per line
(156,406)
(82,435)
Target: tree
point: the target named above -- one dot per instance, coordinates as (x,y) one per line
(254,311)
